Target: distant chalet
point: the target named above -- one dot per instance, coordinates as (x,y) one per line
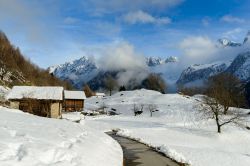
(46,101)
(73,101)
(99,95)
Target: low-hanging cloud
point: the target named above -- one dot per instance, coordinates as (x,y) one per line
(203,50)
(122,57)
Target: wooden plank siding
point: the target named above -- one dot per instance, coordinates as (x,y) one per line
(39,107)
(71,105)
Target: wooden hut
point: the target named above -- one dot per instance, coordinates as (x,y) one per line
(73,101)
(42,101)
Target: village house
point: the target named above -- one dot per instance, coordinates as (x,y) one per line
(41,101)
(99,95)
(73,101)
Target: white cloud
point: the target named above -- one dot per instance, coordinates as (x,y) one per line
(232,19)
(122,57)
(110,6)
(234,33)
(203,50)
(143,17)
(197,48)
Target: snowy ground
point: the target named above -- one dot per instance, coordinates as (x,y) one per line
(28,140)
(176,129)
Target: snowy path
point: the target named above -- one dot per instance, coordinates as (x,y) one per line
(137,154)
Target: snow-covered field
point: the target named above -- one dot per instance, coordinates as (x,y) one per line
(28,140)
(176,129)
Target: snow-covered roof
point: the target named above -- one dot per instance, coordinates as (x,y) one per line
(36,92)
(80,95)
(100,94)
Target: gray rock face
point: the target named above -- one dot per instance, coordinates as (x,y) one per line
(77,72)
(240,67)
(155,61)
(201,72)
(228,43)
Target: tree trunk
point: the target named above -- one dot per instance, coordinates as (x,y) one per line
(225,110)
(110,92)
(218,128)
(218,124)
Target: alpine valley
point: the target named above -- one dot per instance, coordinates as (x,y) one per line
(87,71)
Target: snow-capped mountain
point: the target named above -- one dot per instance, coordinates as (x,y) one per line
(155,61)
(86,70)
(240,67)
(246,40)
(171,59)
(196,74)
(228,43)
(77,72)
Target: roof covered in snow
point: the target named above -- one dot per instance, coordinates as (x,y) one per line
(100,94)
(36,92)
(80,95)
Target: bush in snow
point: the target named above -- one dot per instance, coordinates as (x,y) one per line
(122,88)
(103,107)
(137,109)
(152,108)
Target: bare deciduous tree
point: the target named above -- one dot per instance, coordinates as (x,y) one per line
(155,82)
(88,92)
(110,84)
(138,109)
(212,109)
(152,108)
(103,107)
(227,90)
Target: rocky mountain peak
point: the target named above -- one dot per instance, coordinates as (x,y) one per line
(228,43)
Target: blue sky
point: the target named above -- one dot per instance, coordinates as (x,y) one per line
(54,31)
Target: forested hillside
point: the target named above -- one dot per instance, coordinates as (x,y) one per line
(15,69)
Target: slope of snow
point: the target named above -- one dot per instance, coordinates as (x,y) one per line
(177,129)
(246,40)
(28,140)
(77,72)
(202,72)
(228,43)
(240,67)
